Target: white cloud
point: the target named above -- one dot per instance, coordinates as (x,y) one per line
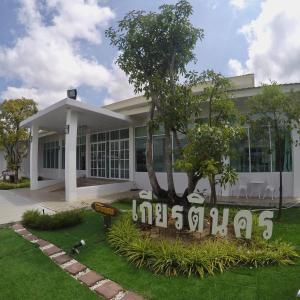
(46,59)
(236,67)
(273,43)
(238,4)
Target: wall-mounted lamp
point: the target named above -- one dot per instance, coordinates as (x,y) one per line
(67,129)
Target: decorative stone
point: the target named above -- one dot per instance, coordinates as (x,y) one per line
(90,278)
(132,296)
(23,232)
(61,259)
(109,289)
(75,268)
(42,243)
(30,237)
(52,250)
(17,226)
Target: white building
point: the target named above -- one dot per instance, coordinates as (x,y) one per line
(71,139)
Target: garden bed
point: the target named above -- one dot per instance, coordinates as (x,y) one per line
(277,282)
(23,183)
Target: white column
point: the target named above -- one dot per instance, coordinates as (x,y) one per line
(88,155)
(34,154)
(70,156)
(131,153)
(296,166)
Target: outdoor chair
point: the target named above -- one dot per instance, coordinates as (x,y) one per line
(269,189)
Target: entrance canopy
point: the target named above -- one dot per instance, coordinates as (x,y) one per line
(53,118)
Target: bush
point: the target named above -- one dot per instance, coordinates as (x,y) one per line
(210,256)
(24,182)
(36,220)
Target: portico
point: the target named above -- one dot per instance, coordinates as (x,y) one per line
(63,119)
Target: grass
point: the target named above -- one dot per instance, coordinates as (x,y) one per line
(26,273)
(23,183)
(275,282)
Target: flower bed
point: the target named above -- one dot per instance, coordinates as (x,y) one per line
(208,257)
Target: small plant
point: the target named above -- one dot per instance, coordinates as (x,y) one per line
(206,258)
(24,183)
(36,220)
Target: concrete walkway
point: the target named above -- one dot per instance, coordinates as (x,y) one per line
(13,205)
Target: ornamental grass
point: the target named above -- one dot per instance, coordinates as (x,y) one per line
(203,258)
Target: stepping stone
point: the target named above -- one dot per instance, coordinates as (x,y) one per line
(61,259)
(90,278)
(17,226)
(23,232)
(52,250)
(132,296)
(42,243)
(30,237)
(75,268)
(109,289)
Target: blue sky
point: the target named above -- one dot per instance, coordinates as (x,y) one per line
(48,46)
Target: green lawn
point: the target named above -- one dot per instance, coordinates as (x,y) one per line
(27,274)
(276,282)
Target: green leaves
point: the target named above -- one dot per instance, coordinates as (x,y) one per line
(208,257)
(14,139)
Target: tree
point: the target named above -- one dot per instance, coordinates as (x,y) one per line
(281,111)
(209,142)
(13,138)
(155,50)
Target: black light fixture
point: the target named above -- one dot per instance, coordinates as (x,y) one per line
(77,246)
(67,129)
(72,94)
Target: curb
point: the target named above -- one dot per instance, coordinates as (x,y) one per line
(94,281)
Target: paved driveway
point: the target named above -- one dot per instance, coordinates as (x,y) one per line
(13,205)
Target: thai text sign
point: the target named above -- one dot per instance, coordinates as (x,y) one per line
(104,209)
(157,214)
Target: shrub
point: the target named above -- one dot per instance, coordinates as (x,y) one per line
(210,256)
(36,220)
(24,182)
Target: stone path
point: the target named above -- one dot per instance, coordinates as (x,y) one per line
(104,287)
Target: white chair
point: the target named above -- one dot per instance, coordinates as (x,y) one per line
(269,189)
(243,188)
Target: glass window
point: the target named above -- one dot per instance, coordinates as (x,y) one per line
(140,155)
(286,148)
(260,149)
(159,153)
(124,134)
(50,155)
(141,131)
(176,152)
(239,158)
(81,153)
(115,135)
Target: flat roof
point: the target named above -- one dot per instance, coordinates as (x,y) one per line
(53,118)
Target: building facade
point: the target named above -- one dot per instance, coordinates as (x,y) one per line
(71,139)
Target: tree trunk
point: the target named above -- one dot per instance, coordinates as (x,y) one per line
(157,190)
(169,165)
(213,194)
(16,177)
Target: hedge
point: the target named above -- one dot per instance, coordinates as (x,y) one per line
(36,220)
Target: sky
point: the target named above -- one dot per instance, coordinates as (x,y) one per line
(49,46)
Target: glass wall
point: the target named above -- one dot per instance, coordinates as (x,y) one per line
(255,152)
(50,155)
(110,154)
(158,149)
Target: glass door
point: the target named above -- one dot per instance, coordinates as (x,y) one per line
(114,159)
(101,159)
(124,159)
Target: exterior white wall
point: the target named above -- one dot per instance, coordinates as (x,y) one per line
(141,180)
(93,192)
